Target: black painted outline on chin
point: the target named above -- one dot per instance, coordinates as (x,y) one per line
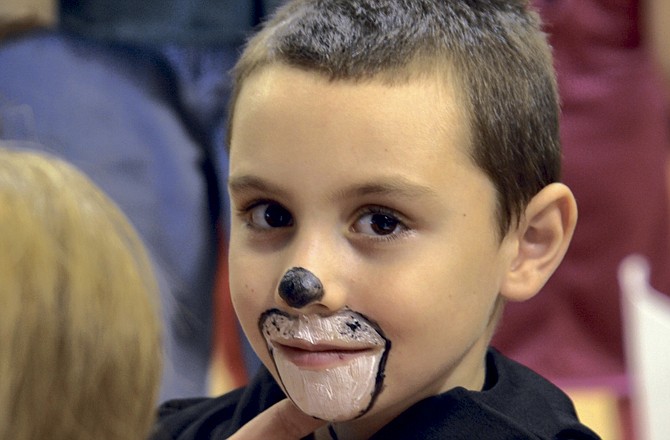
(379,379)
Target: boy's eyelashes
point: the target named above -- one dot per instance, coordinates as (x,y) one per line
(372,221)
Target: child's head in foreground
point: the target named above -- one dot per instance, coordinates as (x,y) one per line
(393,175)
(80,350)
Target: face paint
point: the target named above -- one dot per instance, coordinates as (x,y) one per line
(332,367)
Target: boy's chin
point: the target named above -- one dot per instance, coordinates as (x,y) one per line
(336,394)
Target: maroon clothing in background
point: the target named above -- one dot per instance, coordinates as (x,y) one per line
(615,141)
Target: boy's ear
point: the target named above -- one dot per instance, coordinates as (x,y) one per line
(541,240)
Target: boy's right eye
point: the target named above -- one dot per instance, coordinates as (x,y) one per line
(269,215)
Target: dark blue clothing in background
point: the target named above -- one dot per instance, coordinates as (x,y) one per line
(184,22)
(134,93)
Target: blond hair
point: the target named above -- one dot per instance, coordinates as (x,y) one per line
(79,330)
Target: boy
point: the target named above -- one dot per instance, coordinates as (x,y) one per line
(393,176)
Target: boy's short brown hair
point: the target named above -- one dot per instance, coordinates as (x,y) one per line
(495,47)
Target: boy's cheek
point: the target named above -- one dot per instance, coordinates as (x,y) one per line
(248,308)
(249,299)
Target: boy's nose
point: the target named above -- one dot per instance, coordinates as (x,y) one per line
(314,280)
(299,287)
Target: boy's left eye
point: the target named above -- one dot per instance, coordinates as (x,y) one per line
(379,224)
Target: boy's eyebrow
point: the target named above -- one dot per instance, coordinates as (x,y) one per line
(396,186)
(247,182)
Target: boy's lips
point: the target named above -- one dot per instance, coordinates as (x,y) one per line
(318,342)
(321,356)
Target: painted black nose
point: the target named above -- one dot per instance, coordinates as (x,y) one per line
(299,287)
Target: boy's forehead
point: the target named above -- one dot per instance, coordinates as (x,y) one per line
(273,82)
(293,124)
(437,72)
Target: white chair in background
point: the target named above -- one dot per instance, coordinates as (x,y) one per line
(646,314)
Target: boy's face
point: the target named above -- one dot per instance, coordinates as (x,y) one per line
(369,187)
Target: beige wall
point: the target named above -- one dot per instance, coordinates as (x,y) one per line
(27,11)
